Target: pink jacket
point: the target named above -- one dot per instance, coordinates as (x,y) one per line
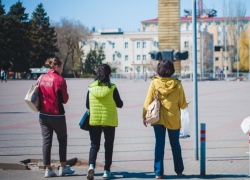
(53,93)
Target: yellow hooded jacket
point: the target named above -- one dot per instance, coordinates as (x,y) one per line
(172,98)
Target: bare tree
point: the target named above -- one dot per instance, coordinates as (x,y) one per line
(70,37)
(207,51)
(234,12)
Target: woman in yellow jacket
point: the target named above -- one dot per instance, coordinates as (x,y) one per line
(172,98)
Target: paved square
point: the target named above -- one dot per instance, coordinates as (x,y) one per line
(222,106)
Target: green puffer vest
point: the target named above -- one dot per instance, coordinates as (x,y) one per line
(102,106)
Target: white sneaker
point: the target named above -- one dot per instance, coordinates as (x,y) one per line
(107,175)
(50,173)
(66,170)
(91,172)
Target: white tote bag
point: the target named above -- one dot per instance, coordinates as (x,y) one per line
(153,111)
(32,97)
(185,129)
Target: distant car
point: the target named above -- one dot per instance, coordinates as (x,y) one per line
(36,72)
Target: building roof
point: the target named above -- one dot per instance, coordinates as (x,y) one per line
(198,19)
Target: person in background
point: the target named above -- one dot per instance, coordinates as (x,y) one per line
(53,94)
(3,75)
(172,98)
(102,100)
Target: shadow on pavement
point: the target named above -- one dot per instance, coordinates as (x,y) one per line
(150,175)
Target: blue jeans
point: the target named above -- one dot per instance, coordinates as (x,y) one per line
(160,134)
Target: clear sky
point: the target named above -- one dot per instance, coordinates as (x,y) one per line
(124,14)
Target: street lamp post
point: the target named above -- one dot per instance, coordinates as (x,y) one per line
(195,93)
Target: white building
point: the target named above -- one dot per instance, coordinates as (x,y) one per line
(129,51)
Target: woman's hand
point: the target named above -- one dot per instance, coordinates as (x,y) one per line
(145,123)
(188,104)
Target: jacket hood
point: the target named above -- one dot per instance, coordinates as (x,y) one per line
(102,90)
(165,85)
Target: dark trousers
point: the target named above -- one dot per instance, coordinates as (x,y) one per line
(95,133)
(160,133)
(48,125)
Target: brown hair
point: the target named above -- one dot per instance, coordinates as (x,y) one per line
(52,62)
(165,68)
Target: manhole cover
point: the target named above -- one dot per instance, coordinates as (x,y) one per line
(37,164)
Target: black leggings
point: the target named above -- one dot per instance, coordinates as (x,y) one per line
(95,133)
(48,125)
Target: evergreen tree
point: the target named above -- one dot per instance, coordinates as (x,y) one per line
(93,60)
(3,62)
(16,30)
(42,37)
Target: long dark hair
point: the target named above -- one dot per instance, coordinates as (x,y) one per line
(103,73)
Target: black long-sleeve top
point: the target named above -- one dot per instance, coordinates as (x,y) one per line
(116,96)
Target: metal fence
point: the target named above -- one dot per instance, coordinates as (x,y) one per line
(183,76)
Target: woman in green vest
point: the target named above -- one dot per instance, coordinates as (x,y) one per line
(102,100)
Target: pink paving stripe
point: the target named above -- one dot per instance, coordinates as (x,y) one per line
(12,95)
(17,104)
(24,125)
(16,126)
(199,95)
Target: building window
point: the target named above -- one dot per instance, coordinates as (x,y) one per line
(227,23)
(113,57)
(186,69)
(200,23)
(209,23)
(219,33)
(245,22)
(126,57)
(219,42)
(144,57)
(218,23)
(188,23)
(103,45)
(144,69)
(216,58)
(227,68)
(144,44)
(138,69)
(138,57)
(216,68)
(103,56)
(96,46)
(147,25)
(113,45)
(226,58)
(186,43)
(126,45)
(235,22)
(156,24)
(157,44)
(126,69)
(180,23)
(138,44)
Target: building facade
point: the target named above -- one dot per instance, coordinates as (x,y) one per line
(129,52)
(218,27)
